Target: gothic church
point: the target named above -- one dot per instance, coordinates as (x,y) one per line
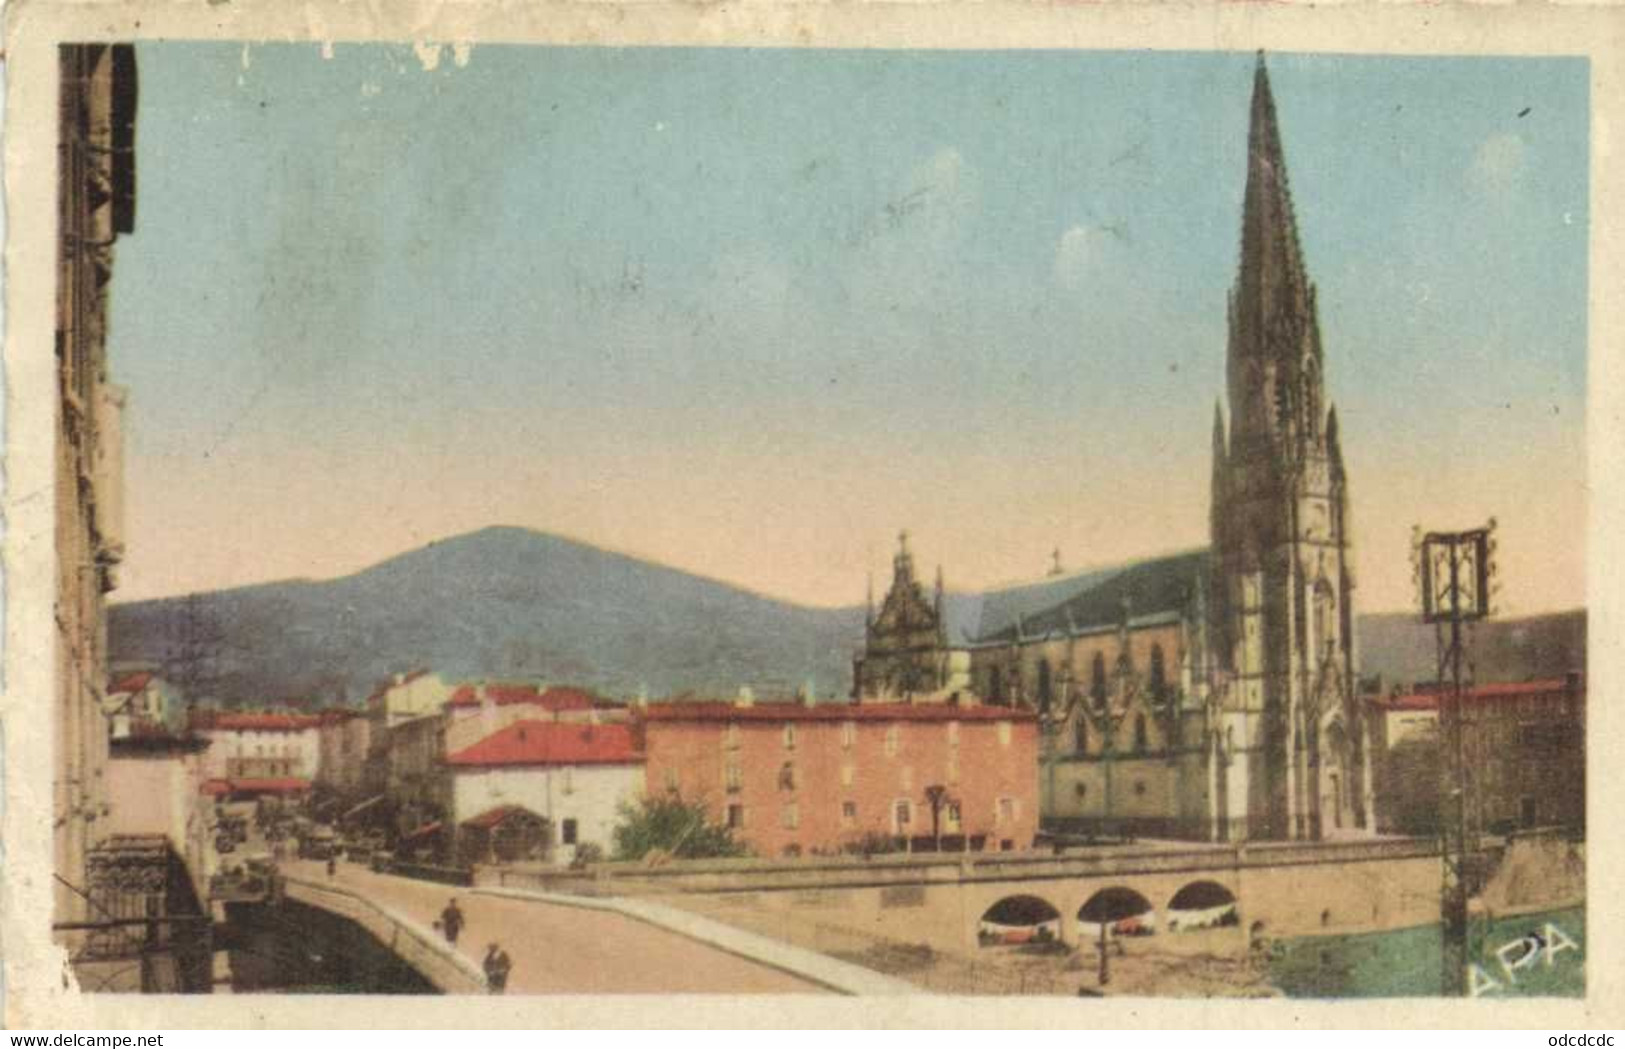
(1210,694)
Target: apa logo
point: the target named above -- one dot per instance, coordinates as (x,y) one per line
(1514,956)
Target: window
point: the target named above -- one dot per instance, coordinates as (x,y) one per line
(1097,681)
(953,733)
(789,736)
(1081,790)
(849,734)
(1159,674)
(1006,813)
(1139,787)
(848,774)
(902,815)
(1043,685)
(995,686)
(954,816)
(849,814)
(892,734)
(1139,733)
(569,832)
(732,778)
(736,817)
(1080,735)
(787,776)
(790,817)
(1004,733)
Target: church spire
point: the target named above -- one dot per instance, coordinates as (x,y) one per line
(1273,368)
(1272,262)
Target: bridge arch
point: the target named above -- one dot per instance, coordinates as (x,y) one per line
(1122,909)
(1019,919)
(1202,904)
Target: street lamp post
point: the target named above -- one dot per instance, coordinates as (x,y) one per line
(1454,572)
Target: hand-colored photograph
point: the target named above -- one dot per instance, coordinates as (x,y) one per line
(540,520)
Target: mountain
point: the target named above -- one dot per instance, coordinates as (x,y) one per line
(499,603)
(513,603)
(1402,649)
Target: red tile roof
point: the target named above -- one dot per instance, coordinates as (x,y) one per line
(1497,692)
(130,682)
(233,721)
(551,743)
(553,699)
(780,712)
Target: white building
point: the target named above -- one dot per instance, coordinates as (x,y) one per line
(254,746)
(406,697)
(541,789)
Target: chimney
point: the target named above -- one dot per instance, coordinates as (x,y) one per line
(400,679)
(746,697)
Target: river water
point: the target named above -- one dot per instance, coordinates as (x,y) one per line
(1530,955)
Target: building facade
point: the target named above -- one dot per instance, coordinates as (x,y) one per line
(1208,694)
(791,779)
(143,698)
(96,203)
(260,746)
(1525,752)
(542,790)
(343,742)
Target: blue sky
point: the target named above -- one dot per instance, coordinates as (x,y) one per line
(749,312)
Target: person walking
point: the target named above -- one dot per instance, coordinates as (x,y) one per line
(451,921)
(497,967)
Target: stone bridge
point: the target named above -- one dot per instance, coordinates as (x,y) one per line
(421,949)
(1277,889)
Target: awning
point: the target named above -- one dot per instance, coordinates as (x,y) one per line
(218,787)
(369,803)
(491,818)
(422,832)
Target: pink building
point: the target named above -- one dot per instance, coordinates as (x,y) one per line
(791,779)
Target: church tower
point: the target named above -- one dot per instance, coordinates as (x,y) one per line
(1288,727)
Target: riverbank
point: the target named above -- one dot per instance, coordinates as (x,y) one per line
(1534,954)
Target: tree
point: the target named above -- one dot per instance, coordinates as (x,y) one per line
(671,825)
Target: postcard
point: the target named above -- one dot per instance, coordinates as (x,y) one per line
(1017,516)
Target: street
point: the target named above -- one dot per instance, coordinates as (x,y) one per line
(567,950)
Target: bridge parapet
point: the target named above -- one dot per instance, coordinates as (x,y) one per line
(428,954)
(964,868)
